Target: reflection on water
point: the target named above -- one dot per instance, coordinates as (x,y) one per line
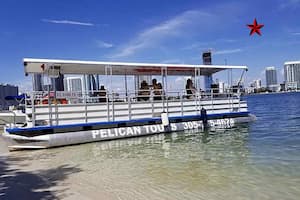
(189,165)
(254,161)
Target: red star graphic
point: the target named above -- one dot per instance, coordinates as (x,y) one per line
(255,28)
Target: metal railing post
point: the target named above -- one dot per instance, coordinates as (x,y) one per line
(49,107)
(56,108)
(32,109)
(107,104)
(163,102)
(167,102)
(198,103)
(113,107)
(231,101)
(212,99)
(56,113)
(181,103)
(239,97)
(85,106)
(129,106)
(152,106)
(14,118)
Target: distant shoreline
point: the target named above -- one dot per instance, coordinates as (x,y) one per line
(262,93)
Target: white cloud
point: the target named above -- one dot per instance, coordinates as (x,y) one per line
(181,79)
(227,51)
(196,45)
(102,44)
(296,33)
(68,22)
(154,35)
(178,83)
(207,45)
(187,26)
(289,4)
(172,61)
(24,85)
(228,40)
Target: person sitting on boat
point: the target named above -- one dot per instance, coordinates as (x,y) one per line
(190,88)
(102,94)
(157,89)
(144,92)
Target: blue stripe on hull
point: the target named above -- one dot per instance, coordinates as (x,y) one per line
(144,120)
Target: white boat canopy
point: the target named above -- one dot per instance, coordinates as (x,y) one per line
(43,66)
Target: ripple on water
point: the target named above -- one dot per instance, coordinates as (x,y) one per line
(256,161)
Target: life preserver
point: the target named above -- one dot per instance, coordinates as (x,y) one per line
(64,101)
(45,101)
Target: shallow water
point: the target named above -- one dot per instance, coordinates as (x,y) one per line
(260,160)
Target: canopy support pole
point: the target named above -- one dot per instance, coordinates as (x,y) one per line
(126,89)
(107,93)
(163,78)
(32,102)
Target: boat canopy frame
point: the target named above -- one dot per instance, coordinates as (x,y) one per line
(49,66)
(54,68)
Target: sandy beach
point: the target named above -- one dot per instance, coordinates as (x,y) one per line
(32,175)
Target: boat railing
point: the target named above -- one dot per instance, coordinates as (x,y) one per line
(124,105)
(74,97)
(7,121)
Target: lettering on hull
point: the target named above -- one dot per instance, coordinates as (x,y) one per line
(156,128)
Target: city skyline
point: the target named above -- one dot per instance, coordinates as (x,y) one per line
(149,32)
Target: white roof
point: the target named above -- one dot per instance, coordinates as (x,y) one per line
(270,68)
(292,62)
(36,66)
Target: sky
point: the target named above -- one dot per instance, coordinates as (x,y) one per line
(159,31)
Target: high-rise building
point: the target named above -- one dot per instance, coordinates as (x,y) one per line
(208,80)
(221,87)
(7,90)
(41,83)
(91,83)
(292,74)
(271,78)
(206,56)
(74,84)
(257,84)
(59,83)
(37,82)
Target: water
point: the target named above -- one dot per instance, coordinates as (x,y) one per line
(260,160)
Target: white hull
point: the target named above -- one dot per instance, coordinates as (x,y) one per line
(78,137)
(12,118)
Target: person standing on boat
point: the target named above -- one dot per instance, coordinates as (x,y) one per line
(144,91)
(157,89)
(190,88)
(102,94)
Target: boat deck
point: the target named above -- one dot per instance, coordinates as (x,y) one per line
(130,109)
